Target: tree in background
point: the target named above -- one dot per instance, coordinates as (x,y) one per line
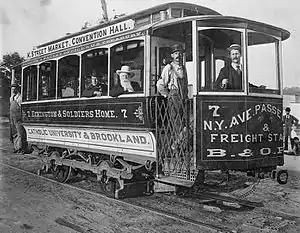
(9,61)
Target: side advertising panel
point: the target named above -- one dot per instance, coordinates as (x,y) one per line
(240,130)
(132,142)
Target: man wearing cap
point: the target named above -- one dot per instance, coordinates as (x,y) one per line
(173,80)
(17,132)
(174,86)
(124,84)
(230,76)
(288,122)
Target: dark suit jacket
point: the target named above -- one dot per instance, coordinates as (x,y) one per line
(234,78)
(288,122)
(118,89)
(89,91)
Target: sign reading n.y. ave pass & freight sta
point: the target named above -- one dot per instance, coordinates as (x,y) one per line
(233,130)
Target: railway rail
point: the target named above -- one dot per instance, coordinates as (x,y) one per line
(158,204)
(162,213)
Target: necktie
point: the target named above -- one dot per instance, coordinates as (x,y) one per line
(238,69)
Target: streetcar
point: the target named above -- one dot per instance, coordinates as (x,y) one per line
(129,142)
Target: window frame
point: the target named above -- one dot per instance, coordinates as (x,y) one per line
(55,80)
(278,64)
(80,72)
(146,52)
(58,97)
(244,60)
(244,45)
(23,85)
(141,94)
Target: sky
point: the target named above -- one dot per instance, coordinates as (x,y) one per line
(28,23)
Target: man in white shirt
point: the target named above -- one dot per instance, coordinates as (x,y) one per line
(174,86)
(17,132)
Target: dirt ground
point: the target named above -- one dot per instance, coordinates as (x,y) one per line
(29,204)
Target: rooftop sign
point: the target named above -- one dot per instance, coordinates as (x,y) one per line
(81,39)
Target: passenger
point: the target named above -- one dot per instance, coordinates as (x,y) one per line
(68,91)
(288,122)
(17,132)
(173,83)
(230,76)
(174,86)
(104,84)
(94,89)
(123,83)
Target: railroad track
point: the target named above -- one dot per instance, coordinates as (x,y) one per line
(165,212)
(184,220)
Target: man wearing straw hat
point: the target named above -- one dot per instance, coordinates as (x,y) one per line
(124,83)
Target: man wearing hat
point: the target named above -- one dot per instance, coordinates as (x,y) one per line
(95,88)
(230,76)
(17,131)
(174,86)
(124,84)
(174,76)
(288,122)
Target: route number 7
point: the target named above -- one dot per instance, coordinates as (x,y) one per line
(215,108)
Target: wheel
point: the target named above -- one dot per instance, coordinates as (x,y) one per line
(62,173)
(109,187)
(282,177)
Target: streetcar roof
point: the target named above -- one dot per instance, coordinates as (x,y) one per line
(228,21)
(186,6)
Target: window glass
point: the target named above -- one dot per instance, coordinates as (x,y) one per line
(262,68)
(30,83)
(129,54)
(220,67)
(94,79)
(47,80)
(68,77)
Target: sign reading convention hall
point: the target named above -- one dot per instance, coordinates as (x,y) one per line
(105,32)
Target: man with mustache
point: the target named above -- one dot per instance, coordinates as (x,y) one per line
(173,80)
(230,76)
(174,86)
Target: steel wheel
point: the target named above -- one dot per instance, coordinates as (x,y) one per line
(109,187)
(282,177)
(62,173)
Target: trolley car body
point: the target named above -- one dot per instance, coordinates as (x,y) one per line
(227,130)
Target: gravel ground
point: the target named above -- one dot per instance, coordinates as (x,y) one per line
(34,205)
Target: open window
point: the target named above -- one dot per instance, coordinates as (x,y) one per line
(214,59)
(47,80)
(263,68)
(130,54)
(162,40)
(30,83)
(95,63)
(68,77)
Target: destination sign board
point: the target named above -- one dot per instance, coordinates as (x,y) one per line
(100,33)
